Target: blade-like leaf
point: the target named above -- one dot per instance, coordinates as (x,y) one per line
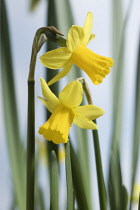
(54,182)
(70,199)
(80,192)
(114,179)
(100,176)
(119,72)
(15,148)
(124,198)
(51,21)
(136,130)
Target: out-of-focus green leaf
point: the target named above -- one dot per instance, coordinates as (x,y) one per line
(39,202)
(34,4)
(51,21)
(78,184)
(54,182)
(118,79)
(136,130)
(64,15)
(115,179)
(15,148)
(124,198)
(70,199)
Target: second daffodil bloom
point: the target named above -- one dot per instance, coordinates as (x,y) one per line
(66,110)
(76,52)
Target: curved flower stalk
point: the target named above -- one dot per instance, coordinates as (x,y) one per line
(76,52)
(66,110)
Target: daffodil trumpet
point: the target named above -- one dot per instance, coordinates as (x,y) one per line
(76,52)
(65,110)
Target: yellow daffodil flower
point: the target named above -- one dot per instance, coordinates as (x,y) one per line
(76,52)
(66,110)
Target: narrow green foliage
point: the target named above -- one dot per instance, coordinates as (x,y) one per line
(119,70)
(100,177)
(136,130)
(51,21)
(15,148)
(78,185)
(115,179)
(64,15)
(124,198)
(39,201)
(70,199)
(54,182)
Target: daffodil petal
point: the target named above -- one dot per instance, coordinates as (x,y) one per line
(61,74)
(92,36)
(88,24)
(49,95)
(48,104)
(75,37)
(71,95)
(89,112)
(55,59)
(84,123)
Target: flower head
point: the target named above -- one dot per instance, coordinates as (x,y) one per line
(66,110)
(76,52)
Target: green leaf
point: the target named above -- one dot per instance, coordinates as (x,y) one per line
(15,148)
(124,198)
(119,33)
(39,201)
(136,130)
(78,184)
(100,176)
(51,21)
(54,182)
(70,199)
(115,179)
(119,66)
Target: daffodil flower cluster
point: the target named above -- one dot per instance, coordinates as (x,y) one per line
(65,109)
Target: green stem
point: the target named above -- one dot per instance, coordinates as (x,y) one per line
(30,147)
(49,33)
(100,177)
